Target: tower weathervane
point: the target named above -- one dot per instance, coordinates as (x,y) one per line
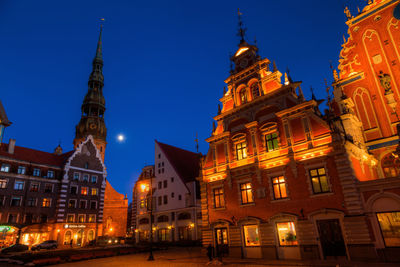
(242,30)
(197,143)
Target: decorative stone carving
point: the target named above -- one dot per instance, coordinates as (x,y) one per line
(385,81)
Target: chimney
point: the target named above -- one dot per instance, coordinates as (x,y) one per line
(11,146)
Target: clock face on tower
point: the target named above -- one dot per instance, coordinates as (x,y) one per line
(244,62)
(92,126)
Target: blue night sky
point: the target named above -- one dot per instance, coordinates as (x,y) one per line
(165,63)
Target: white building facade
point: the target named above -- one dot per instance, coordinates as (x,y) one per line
(175,194)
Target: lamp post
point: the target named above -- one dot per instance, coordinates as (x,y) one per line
(150,203)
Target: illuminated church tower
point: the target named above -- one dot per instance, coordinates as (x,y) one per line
(93,107)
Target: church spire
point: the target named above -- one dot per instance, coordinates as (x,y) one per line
(93,106)
(242,31)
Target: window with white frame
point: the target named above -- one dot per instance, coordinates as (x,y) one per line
(76,177)
(251,235)
(50,174)
(5,167)
(31,202)
(85,178)
(21,170)
(19,185)
(81,218)
(72,203)
(36,172)
(94,179)
(34,187)
(16,201)
(82,204)
(3,183)
(71,218)
(286,234)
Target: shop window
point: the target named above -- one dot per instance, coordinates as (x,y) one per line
(50,174)
(243,96)
(279,186)
(162,218)
(19,185)
(241,152)
(34,187)
(5,167)
(67,237)
(251,235)
(271,141)
(92,218)
(70,218)
(390,166)
(389,223)
(72,203)
(90,235)
(94,191)
(48,188)
(94,179)
(84,190)
(85,178)
(36,172)
(219,201)
(286,234)
(246,193)
(3,183)
(319,180)
(184,233)
(16,201)
(21,169)
(163,235)
(46,202)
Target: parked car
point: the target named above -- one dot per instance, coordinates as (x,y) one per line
(15,248)
(49,244)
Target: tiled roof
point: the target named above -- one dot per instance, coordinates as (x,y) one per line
(35,156)
(186,163)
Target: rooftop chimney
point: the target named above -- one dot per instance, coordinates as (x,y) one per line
(11,146)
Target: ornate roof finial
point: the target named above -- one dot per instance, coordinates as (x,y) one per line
(347,12)
(312,94)
(197,143)
(219,109)
(301,95)
(214,126)
(288,75)
(242,30)
(274,68)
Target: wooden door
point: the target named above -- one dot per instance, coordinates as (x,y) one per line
(331,238)
(221,240)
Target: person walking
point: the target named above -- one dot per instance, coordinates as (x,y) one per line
(210,252)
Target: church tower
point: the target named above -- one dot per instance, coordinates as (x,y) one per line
(93,107)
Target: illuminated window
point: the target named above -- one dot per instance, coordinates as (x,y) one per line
(241,152)
(92,218)
(21,169)
(279,185)
(34,187)
(221,236)
(90,235)
(286,234)
(81,218)
(70,218)
(271,141)
(67,237)
(84,190)
(163,235)
(390,166)
(319,181)
(219,201)
(142,204)
(185,233)
(46,202)
(5,167)
(255,90)
(243,96)
(246,193)
(3,183)
(389,223)
(36,172)
(19,185)
(94,191)
(251,235)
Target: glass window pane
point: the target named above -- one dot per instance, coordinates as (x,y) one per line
(324,183)
(283,190)
(313,172)
(286,234)
(321,171)
(315,184)
(276,191)
(251,235)
(389,223)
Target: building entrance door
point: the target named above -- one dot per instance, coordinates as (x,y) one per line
(331,238)
(221,238)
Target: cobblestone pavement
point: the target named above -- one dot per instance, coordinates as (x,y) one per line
(190,257)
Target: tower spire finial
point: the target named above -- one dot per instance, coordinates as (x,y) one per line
(99,50)
(242,30)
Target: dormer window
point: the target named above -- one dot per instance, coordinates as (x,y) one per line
(243,96)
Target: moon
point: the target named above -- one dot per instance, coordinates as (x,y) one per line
(121,138)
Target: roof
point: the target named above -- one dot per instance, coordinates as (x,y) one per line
(35,156)
(185,163)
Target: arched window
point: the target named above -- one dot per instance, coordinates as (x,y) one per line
(255,90)
(90,235)
(67,237)
(144,221)
(162,218)
(390,165)
(184,216)
(364,109)
(243,96)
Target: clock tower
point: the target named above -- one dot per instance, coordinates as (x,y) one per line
(93,107)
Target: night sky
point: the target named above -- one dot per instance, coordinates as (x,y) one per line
(165,63)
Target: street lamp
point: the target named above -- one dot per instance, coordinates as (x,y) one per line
(149,196)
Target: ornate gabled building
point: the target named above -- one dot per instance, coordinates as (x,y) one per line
(278,181)
(366,95)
